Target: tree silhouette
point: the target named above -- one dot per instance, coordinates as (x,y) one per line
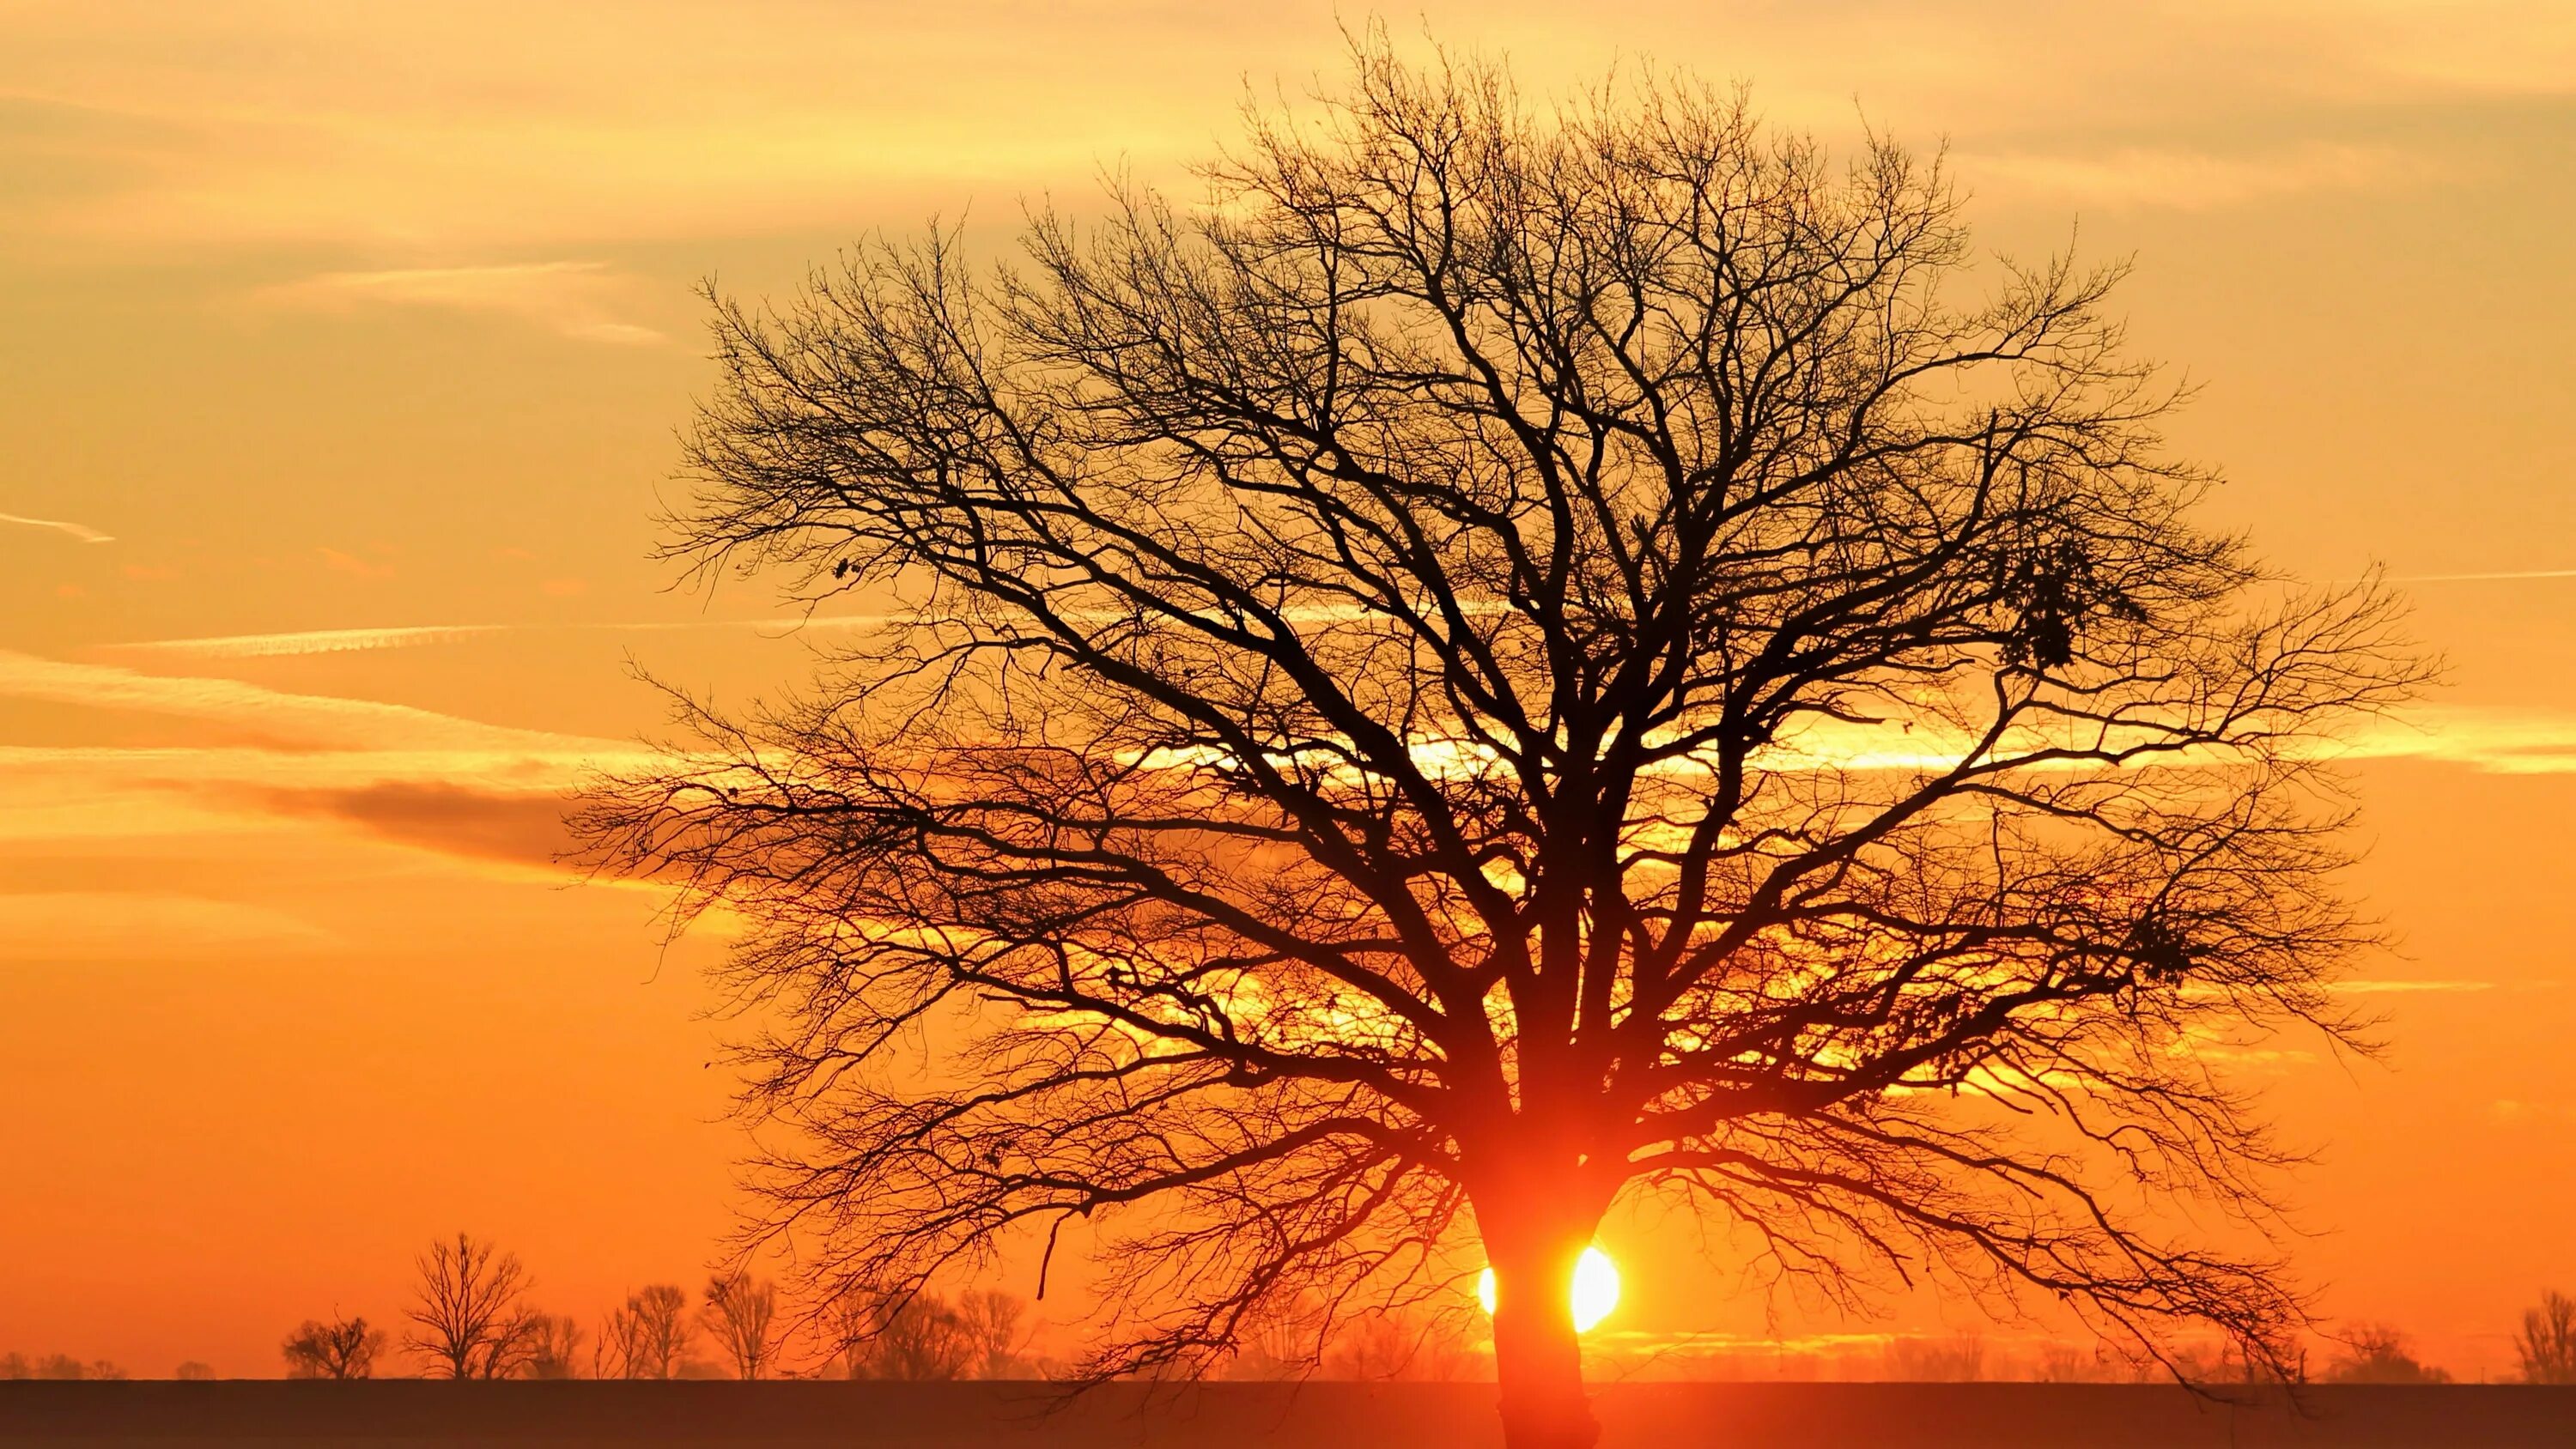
(471,1320)
(2547,1343)
(2375,1353)
(1502,662)
(1395,1346)
(739,1314)
(647,1337)
(1956,1359)
(343,1348)
(992,1322)
(553,1347)
(923,1336)
(57,1366)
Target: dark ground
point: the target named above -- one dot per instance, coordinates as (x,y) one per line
(1325,1415)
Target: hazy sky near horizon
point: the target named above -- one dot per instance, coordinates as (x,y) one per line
(341,352)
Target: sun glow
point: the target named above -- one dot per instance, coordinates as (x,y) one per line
(1595,1290)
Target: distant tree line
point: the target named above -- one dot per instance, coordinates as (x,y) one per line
(60,1366)
(472,1317)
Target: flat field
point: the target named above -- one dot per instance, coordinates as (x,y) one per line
(1225,1416)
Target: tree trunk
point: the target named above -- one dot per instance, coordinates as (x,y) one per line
(1538,1366)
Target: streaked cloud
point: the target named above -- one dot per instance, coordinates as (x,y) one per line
(2494,740)
(413,136)
(311,720)
(121,925)
(458,787)
(80,531)
(347,641)
(1717,1341)
(2498,741)
(518,827)
(2495,47)
(577,299)
(2508,574)
(341,561)
(317,641)
(2408,988)
(2148,176)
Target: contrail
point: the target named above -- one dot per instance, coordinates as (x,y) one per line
(347,641)
(2483,578)
(81,531)
(331,722)
(338,641)
(316,641)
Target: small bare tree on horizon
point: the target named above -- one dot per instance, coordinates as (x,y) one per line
(646,1337)
(553,1347)
(2377,1353)
(339,1348)
(2546,1344)
(471,1319)
(1498,663)
(924,1337)
(741,1315)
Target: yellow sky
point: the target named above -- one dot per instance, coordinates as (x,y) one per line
(341,348)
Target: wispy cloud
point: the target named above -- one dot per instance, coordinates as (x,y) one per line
(2495,741)
(459,787)
(2483,578)
(577,299)
(2167,178)
(341,561)
(1718,1341)
(317,641)
(284,126)
(2408,988)
(345,641)
(518,827)
(121,925)
(81,531)
(2504,741)
(314,720)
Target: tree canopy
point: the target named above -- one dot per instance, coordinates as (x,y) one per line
(1504,658)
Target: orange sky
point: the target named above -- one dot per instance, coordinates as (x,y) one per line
(341,349)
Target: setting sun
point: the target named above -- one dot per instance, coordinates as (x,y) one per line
(1595,1290)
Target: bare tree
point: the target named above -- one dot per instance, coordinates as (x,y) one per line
(647,1337)
(553,1347)
(1958,1359)
(60,1366)
(917,1338)
(1504,660)
(739,1315)
(992,1320)
(2374,1353)
(2068,1363)
(2547,1342)
(1396,1346)
(2224,1361)
(471,1320)
(342,1348)
(1280,1343)
(2090,1363)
